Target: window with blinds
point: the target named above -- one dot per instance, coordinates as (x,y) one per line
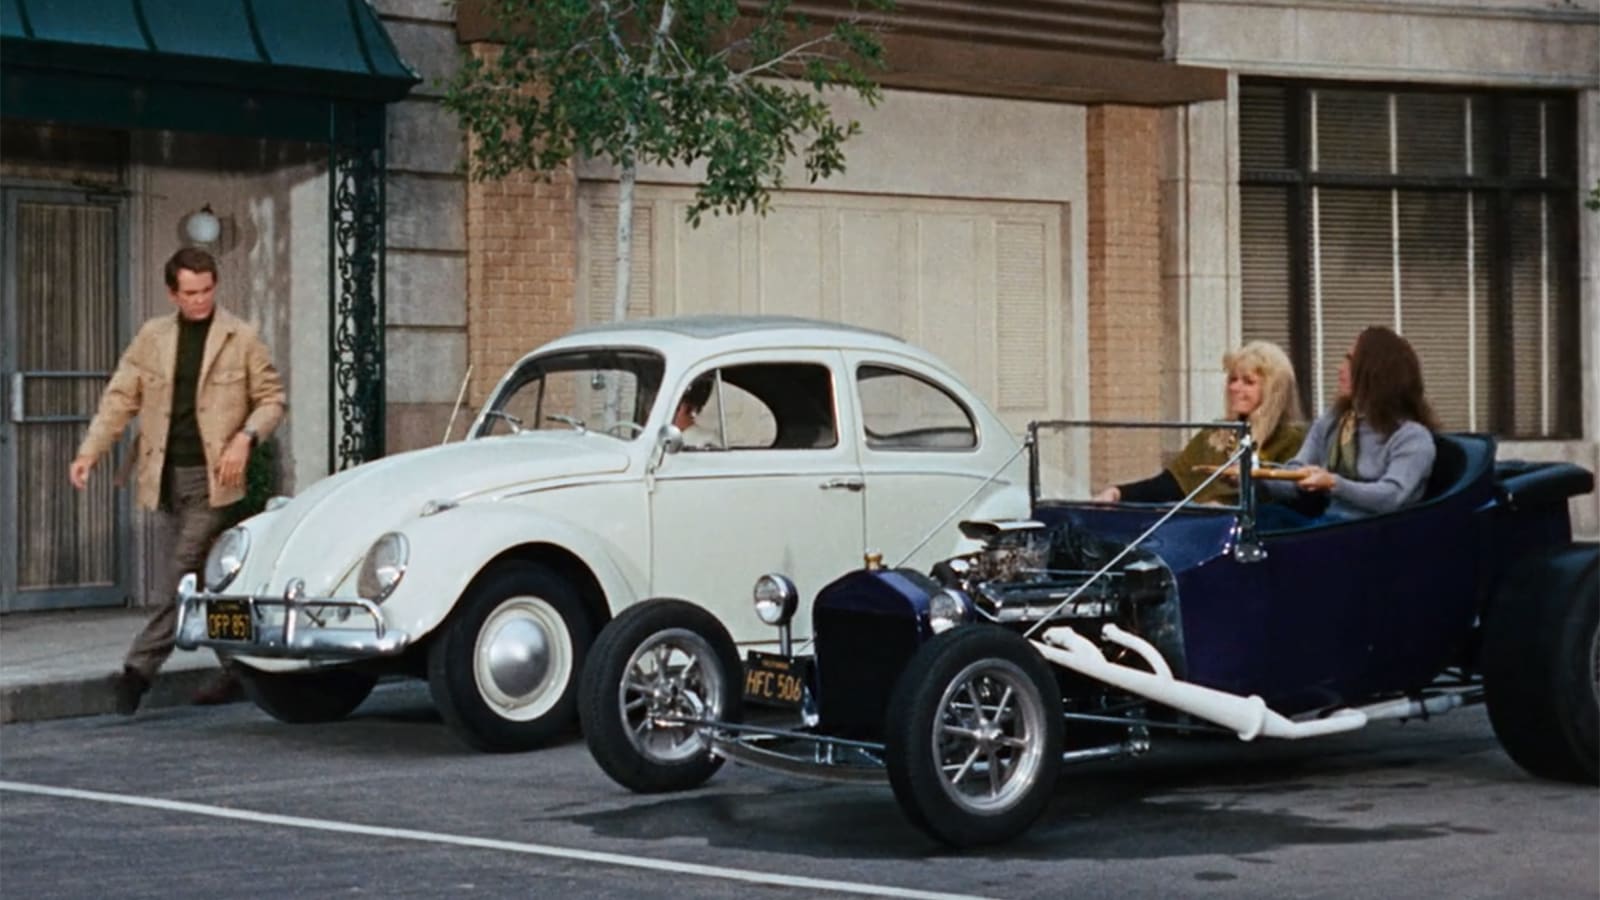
(1450,216)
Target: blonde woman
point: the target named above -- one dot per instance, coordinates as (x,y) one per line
(1261,390)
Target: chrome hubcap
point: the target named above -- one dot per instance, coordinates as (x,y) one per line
(523,660)
(519,656)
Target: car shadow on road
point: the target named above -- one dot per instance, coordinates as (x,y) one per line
(1206,798)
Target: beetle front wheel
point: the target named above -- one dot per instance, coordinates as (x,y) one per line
(974,743)
(503,670)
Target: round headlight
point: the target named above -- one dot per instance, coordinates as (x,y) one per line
(384,566)
(946,610)
(226,558)
(776,599)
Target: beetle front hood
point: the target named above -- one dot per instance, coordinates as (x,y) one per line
(324,530)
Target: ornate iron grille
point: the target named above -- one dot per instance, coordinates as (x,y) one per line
(355,272)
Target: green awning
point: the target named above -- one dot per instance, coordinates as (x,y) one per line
(270,68)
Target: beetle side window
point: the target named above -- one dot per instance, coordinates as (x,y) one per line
(766,406)
(902,411)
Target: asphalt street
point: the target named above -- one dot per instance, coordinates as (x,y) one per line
(209,802)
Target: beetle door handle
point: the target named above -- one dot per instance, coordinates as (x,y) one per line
(843,484)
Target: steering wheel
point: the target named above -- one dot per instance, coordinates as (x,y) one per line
(625,430)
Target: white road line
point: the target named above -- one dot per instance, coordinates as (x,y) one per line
(406,834)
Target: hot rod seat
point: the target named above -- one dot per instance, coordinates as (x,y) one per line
(1459,460)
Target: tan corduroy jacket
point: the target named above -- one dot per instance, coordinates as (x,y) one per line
(238,386)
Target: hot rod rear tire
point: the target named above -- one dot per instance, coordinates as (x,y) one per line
(503,670)
(660,657)
(973,743)
(1541,663)
(306,697)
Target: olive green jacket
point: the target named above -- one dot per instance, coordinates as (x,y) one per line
(1213,446)
(238,386)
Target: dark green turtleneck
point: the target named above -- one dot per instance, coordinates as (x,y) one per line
(183,431)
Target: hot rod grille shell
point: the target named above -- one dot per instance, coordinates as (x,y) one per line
(859,656)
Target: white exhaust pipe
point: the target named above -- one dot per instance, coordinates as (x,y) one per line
(1247,717)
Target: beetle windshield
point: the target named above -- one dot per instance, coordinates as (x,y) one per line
(603,391)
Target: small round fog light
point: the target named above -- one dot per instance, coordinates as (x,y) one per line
(776,599)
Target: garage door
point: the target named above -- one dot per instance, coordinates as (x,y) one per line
(978,283)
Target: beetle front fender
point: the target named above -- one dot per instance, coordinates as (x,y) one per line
(449,549)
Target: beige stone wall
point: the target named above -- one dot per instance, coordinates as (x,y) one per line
(425,273)
(1199,264)
(1527,42)
(1129,360)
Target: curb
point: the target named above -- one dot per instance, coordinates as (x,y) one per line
(69,698)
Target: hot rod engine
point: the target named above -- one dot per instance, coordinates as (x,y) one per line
(1029,572)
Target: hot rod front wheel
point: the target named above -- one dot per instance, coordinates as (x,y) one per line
(974,738)
(659,661)
(503,670)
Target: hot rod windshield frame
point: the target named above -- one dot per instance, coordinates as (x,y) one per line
(1247,547)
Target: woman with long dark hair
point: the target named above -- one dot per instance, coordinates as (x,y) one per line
(1372,451)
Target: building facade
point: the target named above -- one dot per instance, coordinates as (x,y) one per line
(1080,205)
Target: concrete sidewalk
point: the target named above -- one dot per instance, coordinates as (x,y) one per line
(59,664)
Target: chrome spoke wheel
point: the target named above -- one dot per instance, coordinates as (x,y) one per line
(988,741)
(672,675)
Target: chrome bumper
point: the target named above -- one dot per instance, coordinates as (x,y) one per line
(302,633)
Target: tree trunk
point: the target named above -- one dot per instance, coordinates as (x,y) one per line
(619,302)
(624,270)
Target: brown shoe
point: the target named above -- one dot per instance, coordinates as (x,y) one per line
(129,687)
(224,688)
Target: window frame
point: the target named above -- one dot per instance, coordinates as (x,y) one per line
(1498,186)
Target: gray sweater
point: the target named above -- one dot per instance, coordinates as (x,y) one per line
(1393,471)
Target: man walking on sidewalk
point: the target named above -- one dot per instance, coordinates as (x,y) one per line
(204,388)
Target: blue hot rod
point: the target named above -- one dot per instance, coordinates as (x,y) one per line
(1091,629)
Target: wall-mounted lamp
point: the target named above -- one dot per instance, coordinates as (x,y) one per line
(202,226)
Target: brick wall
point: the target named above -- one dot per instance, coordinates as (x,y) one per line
(1128,350)
(522,263)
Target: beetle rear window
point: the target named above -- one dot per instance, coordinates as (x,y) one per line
(902,411)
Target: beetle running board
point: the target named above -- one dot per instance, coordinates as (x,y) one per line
(1248,717)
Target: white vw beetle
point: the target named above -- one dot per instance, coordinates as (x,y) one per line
(587,484)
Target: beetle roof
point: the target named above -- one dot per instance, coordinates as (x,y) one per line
(717,326)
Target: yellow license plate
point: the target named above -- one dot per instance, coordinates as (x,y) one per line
(773,680)
(229,620)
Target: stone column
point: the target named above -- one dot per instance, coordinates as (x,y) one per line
(1199,257)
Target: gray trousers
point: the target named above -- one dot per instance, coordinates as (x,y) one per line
(191,523)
